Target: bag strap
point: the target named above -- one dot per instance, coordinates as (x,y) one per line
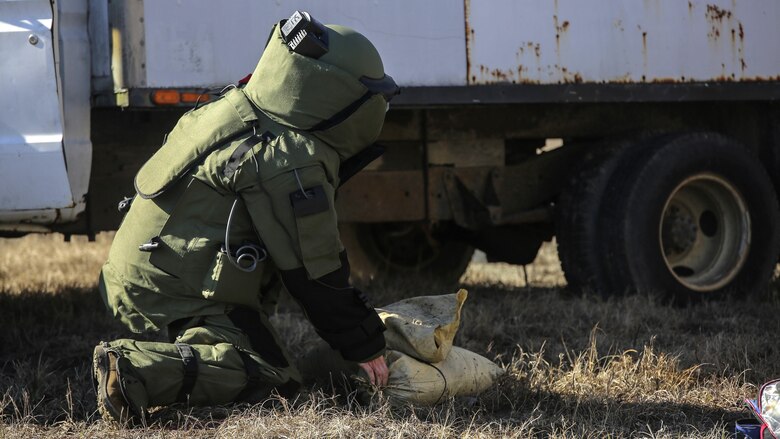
(235,159)
(190,366)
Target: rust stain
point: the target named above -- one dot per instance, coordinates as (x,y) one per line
(576,78)
(469,39)
(569,77)
(521,71)
(664,81)
(714,33)
(716,16)
(644,52)
(741,49)
(537,48)
(714,13)
(761,79)
(563,27)
(495,75)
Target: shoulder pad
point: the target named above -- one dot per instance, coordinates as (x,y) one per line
(196,134)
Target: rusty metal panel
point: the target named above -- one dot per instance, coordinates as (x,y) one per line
(616,41)
(382,196)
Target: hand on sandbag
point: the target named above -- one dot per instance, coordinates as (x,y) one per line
(376,370)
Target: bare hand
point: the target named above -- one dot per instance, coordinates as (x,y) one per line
(376,370)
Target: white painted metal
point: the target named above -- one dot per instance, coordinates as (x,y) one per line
(543,41)
(72,56)
(202,42)
(441,42)
(32,164)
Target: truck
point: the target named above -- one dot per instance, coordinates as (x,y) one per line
(644,135)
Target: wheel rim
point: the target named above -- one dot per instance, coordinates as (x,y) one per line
(704,232)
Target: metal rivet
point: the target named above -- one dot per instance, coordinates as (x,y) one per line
(33,39)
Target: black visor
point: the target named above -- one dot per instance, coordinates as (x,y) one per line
(385,86)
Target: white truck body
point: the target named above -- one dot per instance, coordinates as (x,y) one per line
(87,49)
(446,43)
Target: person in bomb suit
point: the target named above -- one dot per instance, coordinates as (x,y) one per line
(238,201)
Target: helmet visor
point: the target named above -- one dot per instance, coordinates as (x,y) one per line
(385,87)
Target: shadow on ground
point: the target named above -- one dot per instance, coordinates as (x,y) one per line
(46,342)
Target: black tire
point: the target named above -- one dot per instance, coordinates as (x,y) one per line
(389,250)
(690,216)
(578,214)
(576,220)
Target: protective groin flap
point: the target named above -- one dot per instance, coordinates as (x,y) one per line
(195,135)
(424,326)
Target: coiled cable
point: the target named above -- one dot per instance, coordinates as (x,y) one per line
(248,255)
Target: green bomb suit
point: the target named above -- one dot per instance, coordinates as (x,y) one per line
(266,155)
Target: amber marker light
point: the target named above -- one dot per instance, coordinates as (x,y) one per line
(191,98)
(166,97)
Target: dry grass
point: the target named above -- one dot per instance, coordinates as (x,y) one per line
(577,366)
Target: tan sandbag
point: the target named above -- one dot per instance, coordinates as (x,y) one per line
(462,373)
(424,326)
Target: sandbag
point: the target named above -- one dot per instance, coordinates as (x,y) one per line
(462,373)
(424,366)
(423,327)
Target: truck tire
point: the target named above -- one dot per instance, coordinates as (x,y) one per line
(391,250)
(691,216)
(578,213)
(576,220)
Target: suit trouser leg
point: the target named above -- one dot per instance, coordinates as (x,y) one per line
(212,361)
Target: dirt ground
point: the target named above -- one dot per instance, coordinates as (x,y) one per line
(576,365)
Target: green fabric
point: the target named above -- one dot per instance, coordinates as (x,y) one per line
(352,52)
(186,199)
(192,137)
(311,241)
(152,372)
(299,92)
(149,290)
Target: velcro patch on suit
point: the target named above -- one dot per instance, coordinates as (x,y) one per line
(312,201)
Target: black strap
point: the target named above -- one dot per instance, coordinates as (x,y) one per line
(357,162)
(235,159)
(190,364)
(253,376)
(342,115)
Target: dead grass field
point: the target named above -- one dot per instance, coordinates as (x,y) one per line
(577,366)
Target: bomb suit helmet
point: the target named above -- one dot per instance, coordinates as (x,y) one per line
(328,80)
